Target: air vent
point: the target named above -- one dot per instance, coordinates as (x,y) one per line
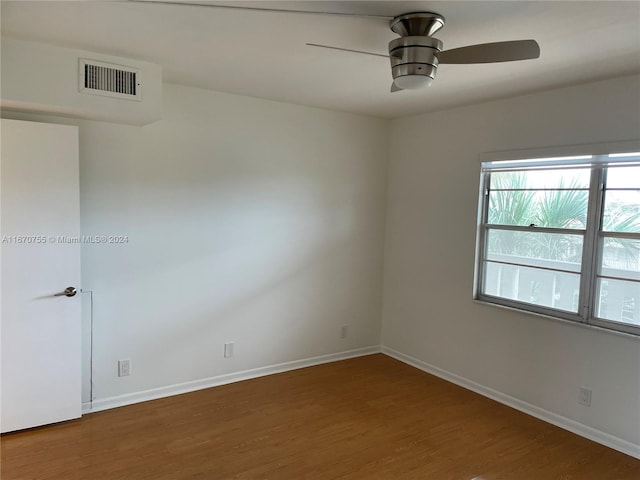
(99,78)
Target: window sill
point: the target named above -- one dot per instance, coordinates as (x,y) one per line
(562,320)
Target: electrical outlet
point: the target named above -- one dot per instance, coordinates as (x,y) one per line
(228,350)
(344,329)
(124,368)
(584,397)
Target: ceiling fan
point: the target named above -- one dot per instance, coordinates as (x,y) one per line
(416,54)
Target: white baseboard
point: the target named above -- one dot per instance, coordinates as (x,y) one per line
(558,420)
(161,392)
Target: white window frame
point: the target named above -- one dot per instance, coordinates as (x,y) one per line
(597,157)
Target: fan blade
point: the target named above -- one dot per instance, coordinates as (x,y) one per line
(259,9)
(395,88)
(492,52)
(346,50)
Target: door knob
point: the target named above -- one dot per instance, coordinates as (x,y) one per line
(68,292)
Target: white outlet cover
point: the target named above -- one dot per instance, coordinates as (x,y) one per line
(584,397)
(344,330)
(124,368)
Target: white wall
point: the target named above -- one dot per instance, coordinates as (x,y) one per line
(428,312)
(249,221)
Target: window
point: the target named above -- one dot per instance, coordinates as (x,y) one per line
(561,236)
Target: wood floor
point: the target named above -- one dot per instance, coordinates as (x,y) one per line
(365,418)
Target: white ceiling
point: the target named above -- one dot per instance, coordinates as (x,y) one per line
(263,54)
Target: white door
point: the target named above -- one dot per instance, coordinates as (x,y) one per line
(39,257)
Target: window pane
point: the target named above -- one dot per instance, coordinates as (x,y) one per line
(621,258)
(537,179)
(549,208)
(549,250)
(621,211)
(618,301)
(623,177)
(531,285)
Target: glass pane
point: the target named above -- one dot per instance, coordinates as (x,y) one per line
(618,301)
(537,179)
(531,285)
(623,177)
(621,258)
(549,250)
(621,211)
(549,208)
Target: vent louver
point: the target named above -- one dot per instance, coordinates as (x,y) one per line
(98,78)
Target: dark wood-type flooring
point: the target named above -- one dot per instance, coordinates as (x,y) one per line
(365,418)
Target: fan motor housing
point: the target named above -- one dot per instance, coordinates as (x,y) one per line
(414,55)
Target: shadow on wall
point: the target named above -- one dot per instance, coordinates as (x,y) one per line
(242,251)
(288,313)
